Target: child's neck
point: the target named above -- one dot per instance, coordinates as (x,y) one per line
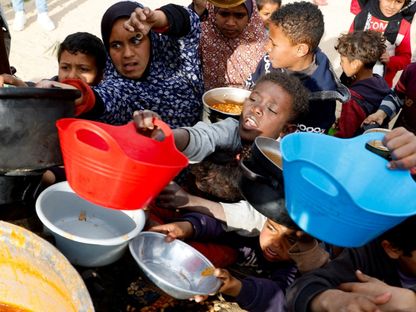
(303,63)
(364,73)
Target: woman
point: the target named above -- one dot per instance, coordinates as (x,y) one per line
(232,43)
(154,64)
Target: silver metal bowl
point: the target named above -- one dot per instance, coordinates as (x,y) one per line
(222,95)
(175,267)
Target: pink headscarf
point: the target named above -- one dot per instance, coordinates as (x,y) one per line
(229,62)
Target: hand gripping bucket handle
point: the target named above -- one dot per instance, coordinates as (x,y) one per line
(114,151)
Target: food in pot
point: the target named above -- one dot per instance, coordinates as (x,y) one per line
(208,271)
(11,308)
(274,157)
(229,107)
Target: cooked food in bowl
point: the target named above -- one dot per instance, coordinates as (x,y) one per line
(221,103)
(229,107)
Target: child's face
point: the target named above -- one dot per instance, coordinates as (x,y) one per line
(408,264)
(266,11)
(78,66)
(130,52)
(231,22)
(350,68)
(276,240)
(282,52)
(266,111)
(391,7)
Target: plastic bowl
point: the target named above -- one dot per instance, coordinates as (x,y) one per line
(35,276)
(175,267)
(87,234)
(223,95)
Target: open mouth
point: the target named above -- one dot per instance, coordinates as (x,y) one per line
(250,123)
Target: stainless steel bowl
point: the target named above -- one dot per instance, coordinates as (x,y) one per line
(175,267)
(222,95)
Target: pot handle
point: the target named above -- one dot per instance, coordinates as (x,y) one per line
(252,175)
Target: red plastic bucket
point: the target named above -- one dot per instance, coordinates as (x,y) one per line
(115,166)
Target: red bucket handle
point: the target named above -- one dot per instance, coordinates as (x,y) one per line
(113,146)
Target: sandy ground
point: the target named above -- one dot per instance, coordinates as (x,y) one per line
(33,51)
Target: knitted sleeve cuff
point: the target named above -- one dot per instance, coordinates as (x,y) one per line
(87,99)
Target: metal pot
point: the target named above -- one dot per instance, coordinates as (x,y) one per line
(262,182)
(28,136)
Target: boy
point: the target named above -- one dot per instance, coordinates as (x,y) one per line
(276,101)
(82,56)
(390,261)
(359,52)
(266,8)
(387,17)
(267,255)
(406,90)
(294,35)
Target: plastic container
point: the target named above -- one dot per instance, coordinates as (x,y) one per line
(115,166)
(35,276)
(340,192)
(87,234)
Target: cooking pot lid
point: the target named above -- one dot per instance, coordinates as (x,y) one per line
(266,198)
(32,92)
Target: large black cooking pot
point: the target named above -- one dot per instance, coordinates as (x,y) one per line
(28,135)
(262,181)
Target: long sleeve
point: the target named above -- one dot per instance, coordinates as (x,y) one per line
(352,115)
(204,139)
(263,295)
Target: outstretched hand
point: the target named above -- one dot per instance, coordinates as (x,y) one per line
(145,123)
(141,20)
(11,80)
(175,230)
(402,144)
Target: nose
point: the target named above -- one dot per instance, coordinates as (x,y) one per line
(128,52)
(72,74)
(258,108)
(231,21)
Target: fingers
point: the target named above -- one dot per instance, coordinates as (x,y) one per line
(199,298)
(362,277)
(402,144)
(383,298)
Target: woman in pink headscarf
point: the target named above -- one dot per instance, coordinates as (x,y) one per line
(232,43)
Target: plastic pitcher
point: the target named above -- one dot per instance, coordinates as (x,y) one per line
(115,166)
(340,192)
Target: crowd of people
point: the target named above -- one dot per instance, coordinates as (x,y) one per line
(156,64)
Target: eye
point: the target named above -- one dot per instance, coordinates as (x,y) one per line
(137,38)
(85,69)
(63,67)
(115,45)
(272,108)
(240,15)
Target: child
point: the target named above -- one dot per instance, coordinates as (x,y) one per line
(294,35)
(82,56)
(267,255)
(406,90)
(276,101)
(389,260)
(266,8)
(359,52)
(386,16)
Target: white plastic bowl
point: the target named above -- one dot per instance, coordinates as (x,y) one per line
(87,234)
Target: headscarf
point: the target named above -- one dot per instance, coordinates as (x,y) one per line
(113,13)
(172,88)
(229,62)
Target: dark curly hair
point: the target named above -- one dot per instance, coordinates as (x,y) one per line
(85,43)
(301,22)
(366,46)
(293,86)
(402,236)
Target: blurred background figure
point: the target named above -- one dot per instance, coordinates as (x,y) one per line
(266,8)
(42,10)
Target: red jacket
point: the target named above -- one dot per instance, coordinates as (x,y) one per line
(395,28)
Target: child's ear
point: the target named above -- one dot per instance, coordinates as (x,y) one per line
(289,128)
(303,49)
(390,250)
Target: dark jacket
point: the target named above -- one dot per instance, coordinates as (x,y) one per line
(263,292)
(325,89)
(371,259)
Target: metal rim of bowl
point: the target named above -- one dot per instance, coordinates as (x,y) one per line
(118,240)
(222,88)
(177,241)
(226,4)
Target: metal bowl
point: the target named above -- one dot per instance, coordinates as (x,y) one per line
(223,95)
(175,267)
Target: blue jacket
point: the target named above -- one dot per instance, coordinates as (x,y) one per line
(325,90)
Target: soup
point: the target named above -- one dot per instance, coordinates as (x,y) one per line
(275,157)
(230,107)
(11,308)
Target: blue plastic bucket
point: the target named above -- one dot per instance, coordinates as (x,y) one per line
(340,192)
